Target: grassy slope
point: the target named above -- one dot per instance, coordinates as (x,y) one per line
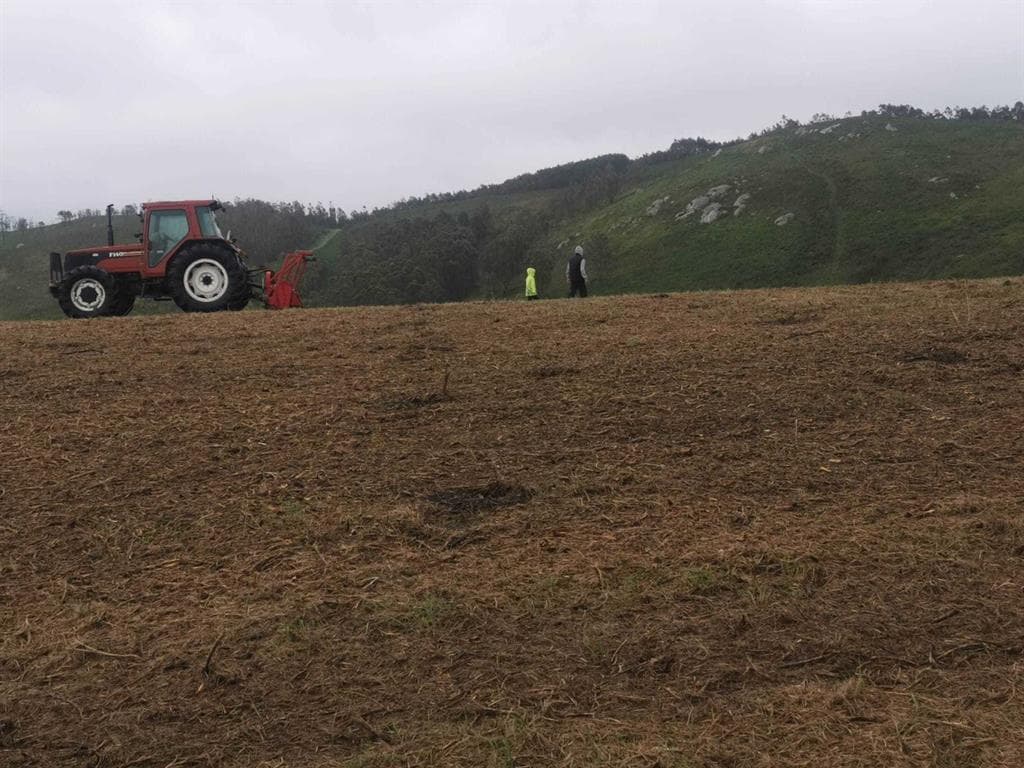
(865,210)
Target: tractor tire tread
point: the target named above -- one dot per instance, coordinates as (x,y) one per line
(64,292)
(124,302)
(238,278)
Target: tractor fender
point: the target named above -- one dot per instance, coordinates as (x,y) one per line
(225,245)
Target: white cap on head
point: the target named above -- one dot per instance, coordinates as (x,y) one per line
(579,250)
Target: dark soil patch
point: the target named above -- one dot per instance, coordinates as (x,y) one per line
(7,739)
(461,502)
(417,401)
(792,318)
(551,371)
(941,355)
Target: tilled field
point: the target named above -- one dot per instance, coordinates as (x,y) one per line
(746,529)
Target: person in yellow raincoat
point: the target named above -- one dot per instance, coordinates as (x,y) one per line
(531,284)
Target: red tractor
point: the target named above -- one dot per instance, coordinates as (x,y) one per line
(181,256)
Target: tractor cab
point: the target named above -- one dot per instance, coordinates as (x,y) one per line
(166,226)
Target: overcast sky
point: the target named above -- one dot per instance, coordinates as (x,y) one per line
(363,103)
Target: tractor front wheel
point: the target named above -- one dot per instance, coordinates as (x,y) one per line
(123,303)
(207,278)
(87,292)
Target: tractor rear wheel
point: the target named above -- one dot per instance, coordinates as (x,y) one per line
(207,278)
(242,301)
(87,292)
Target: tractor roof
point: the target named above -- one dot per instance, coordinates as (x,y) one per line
(180,204)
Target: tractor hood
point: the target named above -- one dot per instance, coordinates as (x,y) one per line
(109,251)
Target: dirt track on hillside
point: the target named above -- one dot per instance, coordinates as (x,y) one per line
(750,529)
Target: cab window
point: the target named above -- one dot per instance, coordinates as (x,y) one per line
(166,230)
(208,222)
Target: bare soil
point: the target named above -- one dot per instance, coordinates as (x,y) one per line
(772,528)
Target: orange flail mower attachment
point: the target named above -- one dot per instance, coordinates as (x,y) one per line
(281,288)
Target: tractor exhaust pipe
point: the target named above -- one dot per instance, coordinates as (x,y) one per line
(110,224)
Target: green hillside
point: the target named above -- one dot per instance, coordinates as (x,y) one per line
(864,199)
(868,203)
(860,199)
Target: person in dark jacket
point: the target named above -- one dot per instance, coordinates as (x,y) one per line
(576,274)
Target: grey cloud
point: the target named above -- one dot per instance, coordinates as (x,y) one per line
(365,103)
